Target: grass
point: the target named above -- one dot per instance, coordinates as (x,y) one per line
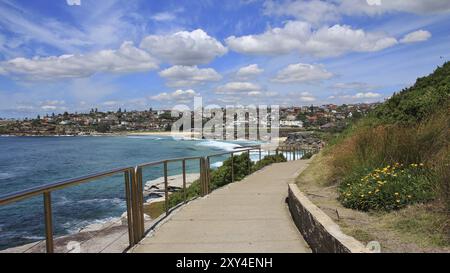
(425,225)
(155,209)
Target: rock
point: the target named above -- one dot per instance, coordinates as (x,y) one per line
(302,138)
(124,218)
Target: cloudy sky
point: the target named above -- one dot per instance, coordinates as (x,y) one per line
(73,55)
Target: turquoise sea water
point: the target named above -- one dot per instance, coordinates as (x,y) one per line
(31,161)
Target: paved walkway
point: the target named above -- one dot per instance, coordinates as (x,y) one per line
(246,216)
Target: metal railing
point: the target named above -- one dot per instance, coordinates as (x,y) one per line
(134,194)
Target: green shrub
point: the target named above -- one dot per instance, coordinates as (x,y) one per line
(267,160)
(222,175)
(388,188)
(307,155)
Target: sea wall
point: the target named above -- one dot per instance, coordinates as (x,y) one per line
(318,229)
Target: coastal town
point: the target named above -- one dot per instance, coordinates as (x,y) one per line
(329,117)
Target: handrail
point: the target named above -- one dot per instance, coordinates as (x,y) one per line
(19,195)
(133,189)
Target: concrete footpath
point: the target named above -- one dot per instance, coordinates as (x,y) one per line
(246,216)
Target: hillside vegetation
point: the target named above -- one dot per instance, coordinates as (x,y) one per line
(396,161)
(399,154)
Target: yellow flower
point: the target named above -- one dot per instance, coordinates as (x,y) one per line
(362,195)
(409,196)
(398,201)
(377,190)
(370,192)
(396,193)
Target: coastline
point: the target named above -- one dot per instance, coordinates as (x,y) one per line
(131,133)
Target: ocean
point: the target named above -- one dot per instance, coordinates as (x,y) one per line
(31,161)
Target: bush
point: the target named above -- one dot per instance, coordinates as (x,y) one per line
(389,188)
(307,155)
(222,175)
(267,160)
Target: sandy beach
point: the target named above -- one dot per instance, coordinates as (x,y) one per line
(163,133)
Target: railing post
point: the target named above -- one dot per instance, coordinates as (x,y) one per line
(249,162)
(207,166)
(293,152)
(166,189)
(183,165)
(141,203)
(232,167)
(128,175)
(134,206)
(202,178)
(48,222)
(259,153)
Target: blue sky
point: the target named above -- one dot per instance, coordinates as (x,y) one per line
(74,55)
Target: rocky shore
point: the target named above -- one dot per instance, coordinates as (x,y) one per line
(303,140)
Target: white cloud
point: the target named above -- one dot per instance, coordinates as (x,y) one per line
(300,36)
(362,86)
(53,105)
(254,93)
(184,48)
(306,97)
(302,73)
(359,96)
(375,7)
(319,11)
(110,103)
(179,96)
(249,71)
(314,11)
(54,102)
(189,75)
(416,36)
(73,2)
(163,16)
(49,107)
(238,87)
(123,60)
(368,95)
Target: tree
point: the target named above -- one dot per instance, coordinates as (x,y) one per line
(302,117)
(102,128)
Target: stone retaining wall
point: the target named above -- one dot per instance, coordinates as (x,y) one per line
(318,229)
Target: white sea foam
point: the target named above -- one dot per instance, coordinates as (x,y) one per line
(217,164)
(34,238)
(145,137)
(76,226)
(101,200)
(5,175)
(62,200)
(227,146)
